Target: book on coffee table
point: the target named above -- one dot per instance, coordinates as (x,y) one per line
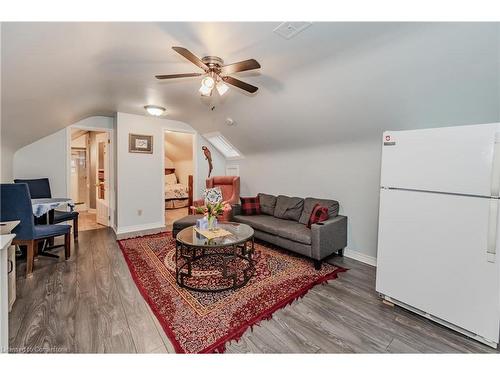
(211,234)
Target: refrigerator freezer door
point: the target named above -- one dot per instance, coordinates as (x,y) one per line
(456,159)
(432,255)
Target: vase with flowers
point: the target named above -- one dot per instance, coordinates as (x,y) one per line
(214,206)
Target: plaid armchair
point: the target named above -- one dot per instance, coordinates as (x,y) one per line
(230,188)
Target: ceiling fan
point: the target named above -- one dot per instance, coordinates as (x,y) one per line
(215,72)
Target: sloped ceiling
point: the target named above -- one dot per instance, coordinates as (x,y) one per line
(178,146)
(334,82)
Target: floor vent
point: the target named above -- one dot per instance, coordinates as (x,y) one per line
(288,30)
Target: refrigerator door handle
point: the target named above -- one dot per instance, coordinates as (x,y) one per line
(492,231)
(495,168)
(495,192)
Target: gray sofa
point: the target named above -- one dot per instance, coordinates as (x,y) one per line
(283,222)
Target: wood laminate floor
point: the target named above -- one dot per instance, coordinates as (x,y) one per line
(173,214)
(90,304)
(88,221)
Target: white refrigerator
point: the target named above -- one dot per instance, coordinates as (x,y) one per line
(439,226)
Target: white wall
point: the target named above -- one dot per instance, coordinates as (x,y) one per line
(347,172)
(48,157)
(179,154)
(169,163)
(140,181)
(45,158)
(6,160)
(184,168)
(218,162)
(95,122)
(6,151)
(80,142)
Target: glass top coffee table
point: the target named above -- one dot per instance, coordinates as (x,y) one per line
(215,265)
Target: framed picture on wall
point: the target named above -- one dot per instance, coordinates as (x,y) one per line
(139,143)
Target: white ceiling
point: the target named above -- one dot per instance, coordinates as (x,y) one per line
(334,82)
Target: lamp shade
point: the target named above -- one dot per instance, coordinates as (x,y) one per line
(154,110)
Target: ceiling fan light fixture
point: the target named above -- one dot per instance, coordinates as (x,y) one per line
(213,67)
(154,110)
(208,82)
(221,88)
(205,91)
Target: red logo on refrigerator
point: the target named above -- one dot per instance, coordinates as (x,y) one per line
(387,137)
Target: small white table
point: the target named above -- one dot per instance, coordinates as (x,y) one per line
(42,206)
(45,206)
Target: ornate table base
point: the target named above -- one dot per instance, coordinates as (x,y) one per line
(233,264)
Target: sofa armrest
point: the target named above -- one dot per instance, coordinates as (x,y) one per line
(328,236)
(236,209)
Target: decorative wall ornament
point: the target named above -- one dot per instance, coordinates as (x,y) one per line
(142,144)
(208,157)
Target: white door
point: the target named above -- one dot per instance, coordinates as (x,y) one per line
(455,159)
(432,255)
(102,180)
(79,183)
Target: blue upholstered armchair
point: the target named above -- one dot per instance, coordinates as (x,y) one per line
(40,188)
(16,205)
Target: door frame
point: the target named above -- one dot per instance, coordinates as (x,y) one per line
(110,166)
(195,162)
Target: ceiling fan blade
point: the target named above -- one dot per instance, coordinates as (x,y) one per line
(242,85)
(182,75)
(240,66)
(191,57)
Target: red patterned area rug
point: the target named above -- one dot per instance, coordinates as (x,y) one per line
(200,322)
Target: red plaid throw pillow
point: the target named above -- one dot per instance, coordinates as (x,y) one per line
(318,215)
(250,206)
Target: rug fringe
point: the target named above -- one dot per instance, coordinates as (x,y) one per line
(220,345)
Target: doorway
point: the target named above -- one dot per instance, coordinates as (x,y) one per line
(178,175)
(89,177)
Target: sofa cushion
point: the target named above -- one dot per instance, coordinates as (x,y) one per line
(279,227)
(264,223)
(309,203)
(250,205)
(294,231)
(289,208)
(267,203)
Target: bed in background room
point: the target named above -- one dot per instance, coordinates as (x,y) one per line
(177,195)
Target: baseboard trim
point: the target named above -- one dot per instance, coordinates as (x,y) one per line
(139,230)
(363,258)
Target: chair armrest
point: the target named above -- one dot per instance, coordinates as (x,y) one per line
(235,196)
(328,236)
(236,209)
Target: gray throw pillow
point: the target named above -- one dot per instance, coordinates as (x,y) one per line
(309,203)
(267,203)
(289,208)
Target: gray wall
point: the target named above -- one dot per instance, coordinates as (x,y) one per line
(347,172)
(6,157)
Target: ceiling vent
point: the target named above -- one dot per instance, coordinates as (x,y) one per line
(288,30)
